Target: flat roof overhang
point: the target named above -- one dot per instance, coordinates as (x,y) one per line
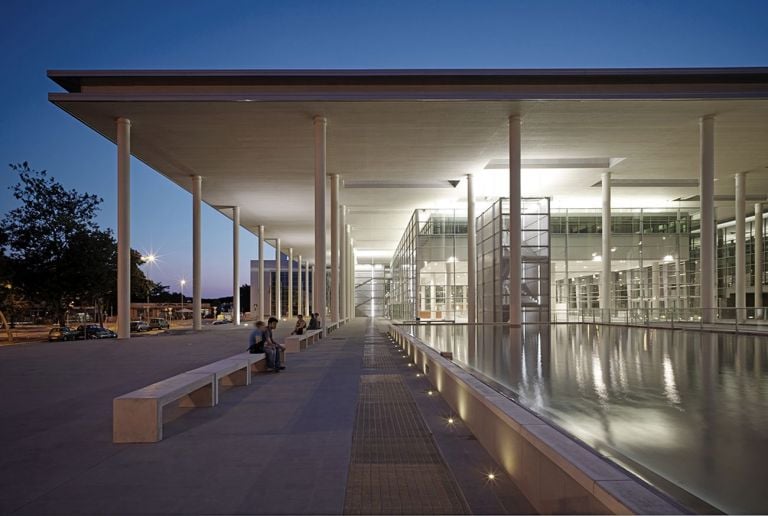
(399,131)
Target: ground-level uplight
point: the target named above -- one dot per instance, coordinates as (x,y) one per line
(430,392)
(491,476)
(451,420)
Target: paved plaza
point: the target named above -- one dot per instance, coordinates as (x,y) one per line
(346,428)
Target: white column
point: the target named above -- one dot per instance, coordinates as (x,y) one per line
(450,305)
(319,276)
(350,274)
(334,247)
(290,282)
(197,266)
(515,264)
(261,274)
(471,254)
(278,280)
(343,262)
(741,258)
(306,291)
(123,228)
(298,291)
(605,275)
(758,258)
(236,265)
(707,272)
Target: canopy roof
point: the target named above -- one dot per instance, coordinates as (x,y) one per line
(401,139)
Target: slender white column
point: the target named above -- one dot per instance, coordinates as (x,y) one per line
(741,258)
(298,291)
(197,266)
(334,247)
(236,265)
(123,228)
(278,280)
(290,282)
(320,178)
(343,262)
(471,254)
(261,274)
(605,275)
(350,273)
(758,257)
(306,291)
(707,272)
(515,264)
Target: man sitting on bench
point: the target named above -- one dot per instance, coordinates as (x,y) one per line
(272,348)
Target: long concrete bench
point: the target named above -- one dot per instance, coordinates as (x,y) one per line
(137,417)
(228,372)
(297,343)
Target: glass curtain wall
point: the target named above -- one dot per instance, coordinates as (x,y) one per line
(492,228)
(429,268)
(726,266)
(372,290)
(654,264)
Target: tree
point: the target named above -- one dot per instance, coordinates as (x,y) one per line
(54,248)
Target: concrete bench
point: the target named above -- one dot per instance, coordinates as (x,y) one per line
(296,343)
(256,361)
(137,417)
(228,372)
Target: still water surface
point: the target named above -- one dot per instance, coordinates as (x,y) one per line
(690,409)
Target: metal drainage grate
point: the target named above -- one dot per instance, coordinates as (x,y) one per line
(379,356)
(396,467)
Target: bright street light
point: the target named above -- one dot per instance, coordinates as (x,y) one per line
(182,282)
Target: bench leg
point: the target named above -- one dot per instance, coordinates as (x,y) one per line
(259,367)
(136,421)
(203,397)
(239,377)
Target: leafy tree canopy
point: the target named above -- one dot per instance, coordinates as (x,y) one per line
(53,249)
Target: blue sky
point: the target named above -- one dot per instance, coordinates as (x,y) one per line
(38,36)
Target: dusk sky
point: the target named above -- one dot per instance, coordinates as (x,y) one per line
(38,36)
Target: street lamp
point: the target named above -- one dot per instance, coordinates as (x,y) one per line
(150,258)
(182,282)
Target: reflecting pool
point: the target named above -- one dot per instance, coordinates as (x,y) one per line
(681,409)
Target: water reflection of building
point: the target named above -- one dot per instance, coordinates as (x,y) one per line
(677,408)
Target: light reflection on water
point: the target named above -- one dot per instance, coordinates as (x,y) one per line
(690,407)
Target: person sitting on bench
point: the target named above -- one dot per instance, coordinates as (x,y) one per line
(272,348)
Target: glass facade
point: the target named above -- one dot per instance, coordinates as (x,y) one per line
(372,290)
(653,263)
(492,228)
(429,268)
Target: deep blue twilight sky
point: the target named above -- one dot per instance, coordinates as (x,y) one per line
(37,36)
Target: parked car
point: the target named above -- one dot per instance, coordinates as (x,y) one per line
(158,323)
(61,333)
(139,326)
(94,331)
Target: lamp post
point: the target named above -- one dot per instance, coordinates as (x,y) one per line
(150,259)
(182,282)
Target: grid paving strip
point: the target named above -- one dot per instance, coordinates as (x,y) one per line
(396,467)
(378,356)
